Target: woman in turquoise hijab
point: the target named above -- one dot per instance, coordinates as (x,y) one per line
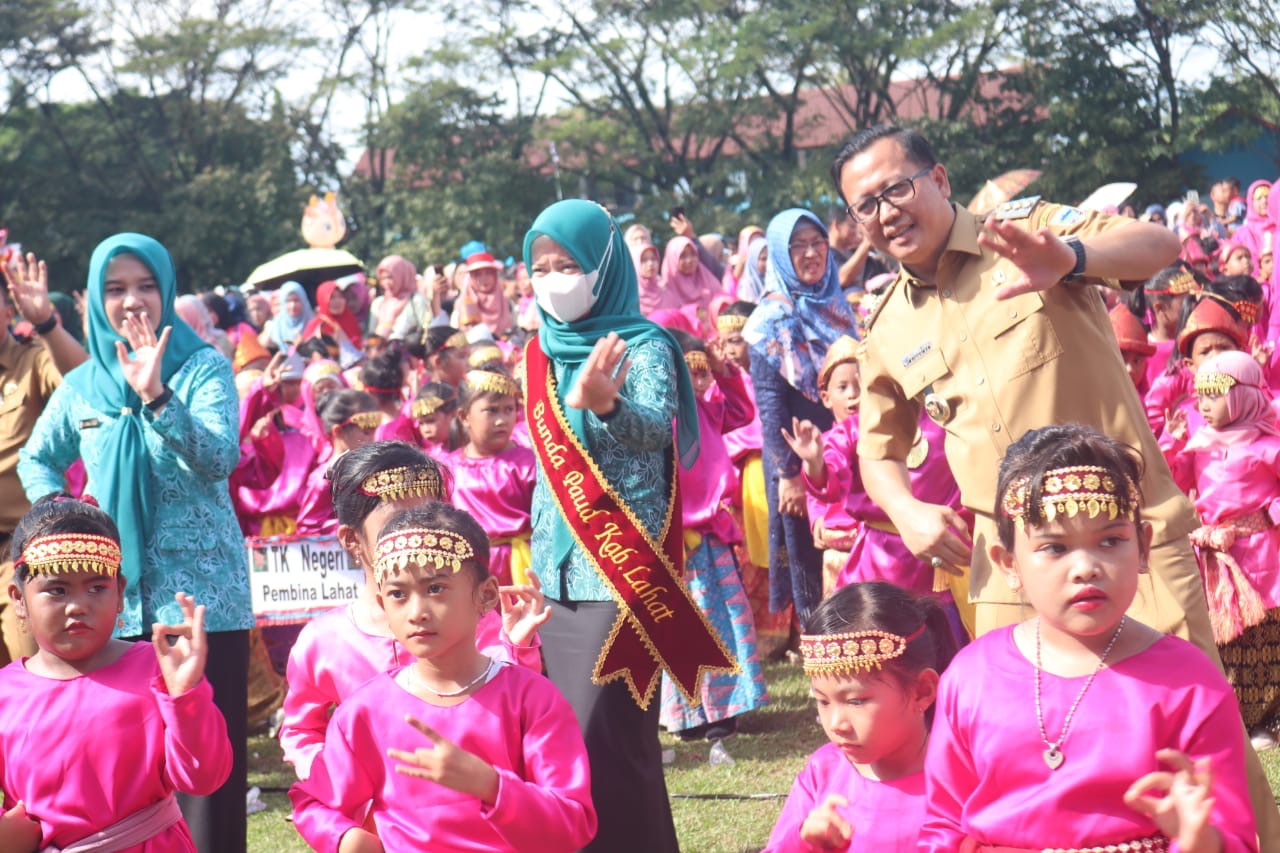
(620,381)
(155,416)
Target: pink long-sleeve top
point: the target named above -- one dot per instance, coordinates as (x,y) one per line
(986,777)
(844,504)
(315,503)
(746,439)
(1231,481)
(87,752)
(725,406)
(332,657)
(498,492)
(517,722)
(1170,391)
(885,816)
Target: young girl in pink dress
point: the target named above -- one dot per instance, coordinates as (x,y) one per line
(872,654)
(1232,467)
(493,476)
(435,411)
(97,735)
(1081,729)
(834,484)
(350,418)
(338,651)
(711,571)
(454,751)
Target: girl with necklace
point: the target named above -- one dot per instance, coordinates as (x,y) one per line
(454,750)
(1081,729)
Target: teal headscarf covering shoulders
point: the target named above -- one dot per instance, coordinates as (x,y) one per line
(585,229)
(122,481)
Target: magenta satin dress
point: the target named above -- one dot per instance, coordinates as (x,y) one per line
(885,816)
(85,753)
(986,777)
(498,491)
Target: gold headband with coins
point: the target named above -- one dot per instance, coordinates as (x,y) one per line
(442,549)
(396,484)
(492,382)
(851,653)
(484,354)
(1181,282)
(457,340)
(363,420)
(1214,384)
(427,405)
(727,323)
(1090,489)
(62,553)
(697,361)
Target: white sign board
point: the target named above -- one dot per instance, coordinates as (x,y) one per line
(294,578)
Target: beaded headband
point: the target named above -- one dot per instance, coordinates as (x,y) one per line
(697,361)
(1214,384)
(1182,282)
(726,323)
(851,653)
(425,407)
(396,484)
(484,354)
(443,549)
(363,420)
(1090,489)
(457,340)
(492,382)
(60,553)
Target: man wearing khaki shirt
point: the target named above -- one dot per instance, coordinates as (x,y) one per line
(996,330)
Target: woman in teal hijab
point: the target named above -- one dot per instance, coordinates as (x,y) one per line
(621,382)
(155,416)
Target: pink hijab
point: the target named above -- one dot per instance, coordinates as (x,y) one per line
(404,283)
(653,294)
(695,289)
(495,310)
(1248,403)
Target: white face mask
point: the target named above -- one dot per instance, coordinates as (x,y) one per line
(569,297)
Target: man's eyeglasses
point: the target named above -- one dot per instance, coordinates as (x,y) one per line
(866,209)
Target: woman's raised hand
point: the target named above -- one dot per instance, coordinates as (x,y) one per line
(142,369)
(602,376)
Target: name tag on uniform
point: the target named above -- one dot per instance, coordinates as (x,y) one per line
(917,354)
(1017,209)
(90,423)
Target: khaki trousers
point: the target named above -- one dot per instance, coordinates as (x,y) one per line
(1171,600)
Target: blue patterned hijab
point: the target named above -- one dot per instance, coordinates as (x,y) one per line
(794,323)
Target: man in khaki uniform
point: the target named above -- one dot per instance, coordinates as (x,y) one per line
(28,374)
(996,331)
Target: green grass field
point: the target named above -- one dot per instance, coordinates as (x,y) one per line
(723,809)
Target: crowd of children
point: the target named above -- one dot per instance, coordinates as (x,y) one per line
(416,716)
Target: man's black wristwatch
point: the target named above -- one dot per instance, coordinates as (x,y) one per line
(1078,270)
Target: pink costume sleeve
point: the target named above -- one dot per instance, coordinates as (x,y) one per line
(739,407)
(197,752)
(330,660)
(337,787)
(315,503)
(1181,463)
(548,807)
(949,773)
(806,795)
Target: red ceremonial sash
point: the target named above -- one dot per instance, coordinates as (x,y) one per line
(659,627)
